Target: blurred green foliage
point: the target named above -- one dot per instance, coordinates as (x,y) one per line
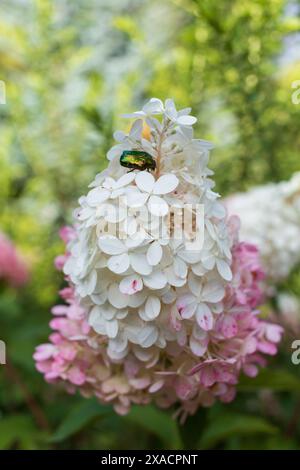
(70,68)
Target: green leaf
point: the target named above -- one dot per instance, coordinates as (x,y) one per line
(230,424)
(17,429)
(78,418)
(278,380)
(157,422)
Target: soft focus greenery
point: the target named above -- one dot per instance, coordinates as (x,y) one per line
(70,69)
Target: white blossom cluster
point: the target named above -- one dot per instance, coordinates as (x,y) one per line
(143,288)
(270,219)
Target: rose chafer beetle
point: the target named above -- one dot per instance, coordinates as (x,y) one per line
(136,160)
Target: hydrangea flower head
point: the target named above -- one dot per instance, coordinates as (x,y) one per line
(270,219)
(132,279)
(151,316)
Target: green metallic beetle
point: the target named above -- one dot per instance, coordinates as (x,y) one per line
(136,160)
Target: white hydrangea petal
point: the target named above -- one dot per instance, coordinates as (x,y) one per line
(114,214)
(172,278)
(125,180)
(170,109)
(119,263)
(85,213)
(108,312)
(195,285)
(112,328)
(119,136)
(152,307)
(145,181)
(224,270)
(154,253)
(121,314)
(213,292)
(140,264)
(116,298)
(148,336)
(114,152)
(158,206)
(99,299)
(96,196)
(186,120)
(96,321)
(208,261)
(180,268)
(111,245)
(198,269)
(218,210)
(136,129)
(136,198)
(131,284)
(165,184)
(155,280)
(198,348)
(169,297)
(89,283)
(136,114)
(204,317)
(154,106)
(190,256)
(136,300)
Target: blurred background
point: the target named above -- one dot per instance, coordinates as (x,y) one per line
(70,68)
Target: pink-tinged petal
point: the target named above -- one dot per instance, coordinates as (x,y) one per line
(59,262)
(60,310)
(183,388)
(204,317)
(76,376)
(228,326)
(156,386)
(208,376)
(274,333)
(131,285)
(186,306)
(251,370)
(44,352)
(267,348)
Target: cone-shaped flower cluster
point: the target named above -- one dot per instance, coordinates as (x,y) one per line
(151,315)
(270,218)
